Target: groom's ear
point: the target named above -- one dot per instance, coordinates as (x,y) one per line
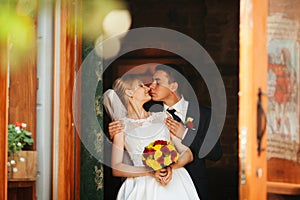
(129,93)
(174,86)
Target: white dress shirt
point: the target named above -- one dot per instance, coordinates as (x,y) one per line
(181,109)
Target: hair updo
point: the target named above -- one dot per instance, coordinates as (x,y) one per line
(124,83)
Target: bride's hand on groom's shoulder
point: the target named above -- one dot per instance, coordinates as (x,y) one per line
(176,128)
(115,127)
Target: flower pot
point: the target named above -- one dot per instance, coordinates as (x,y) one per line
(23,166)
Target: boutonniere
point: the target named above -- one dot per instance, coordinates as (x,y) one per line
(189,123)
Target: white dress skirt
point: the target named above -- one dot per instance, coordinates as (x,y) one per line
(138,134)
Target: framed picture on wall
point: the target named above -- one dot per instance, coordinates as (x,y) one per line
(283,99)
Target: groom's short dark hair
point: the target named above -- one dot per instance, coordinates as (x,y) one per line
(175,73)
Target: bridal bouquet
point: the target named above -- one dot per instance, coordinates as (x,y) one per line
(159,154)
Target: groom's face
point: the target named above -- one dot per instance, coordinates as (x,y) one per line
(160,87)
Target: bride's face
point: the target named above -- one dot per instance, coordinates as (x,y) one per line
(140,92)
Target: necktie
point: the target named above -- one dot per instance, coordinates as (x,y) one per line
(172,112)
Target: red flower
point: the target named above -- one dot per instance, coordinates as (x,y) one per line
(160,142)
(161,160)
(146,150)
(18,124)
(173,154)
(189,123)
(149,150)
(165,150)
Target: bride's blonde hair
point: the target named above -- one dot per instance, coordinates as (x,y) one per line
(124,83)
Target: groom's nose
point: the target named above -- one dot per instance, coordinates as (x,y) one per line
(152,85)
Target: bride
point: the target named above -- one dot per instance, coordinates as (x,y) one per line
(140,129)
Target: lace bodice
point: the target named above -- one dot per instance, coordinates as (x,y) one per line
(139,133)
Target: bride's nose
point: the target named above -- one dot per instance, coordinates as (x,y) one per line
(147,89)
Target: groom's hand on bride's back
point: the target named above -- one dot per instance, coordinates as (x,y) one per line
(115,127)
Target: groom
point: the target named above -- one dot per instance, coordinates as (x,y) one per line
(166,88)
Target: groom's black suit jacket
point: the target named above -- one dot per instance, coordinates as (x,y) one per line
(194,139)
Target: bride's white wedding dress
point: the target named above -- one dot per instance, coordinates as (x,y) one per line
(138,134)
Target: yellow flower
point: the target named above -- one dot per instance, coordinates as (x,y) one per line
(189,119)
(153,164)
(167,160)
(171,147)
(176,158)
(157,147)
(157,155)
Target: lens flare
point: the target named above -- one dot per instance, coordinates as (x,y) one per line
(116,22)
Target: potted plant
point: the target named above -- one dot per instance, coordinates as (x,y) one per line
(21,164)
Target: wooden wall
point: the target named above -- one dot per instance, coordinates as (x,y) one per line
(22,94)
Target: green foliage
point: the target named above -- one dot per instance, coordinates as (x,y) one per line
(18,137)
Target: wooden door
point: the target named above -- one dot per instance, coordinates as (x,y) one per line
(252,79)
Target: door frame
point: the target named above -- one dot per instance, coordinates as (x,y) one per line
(3,118)
(252,76)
